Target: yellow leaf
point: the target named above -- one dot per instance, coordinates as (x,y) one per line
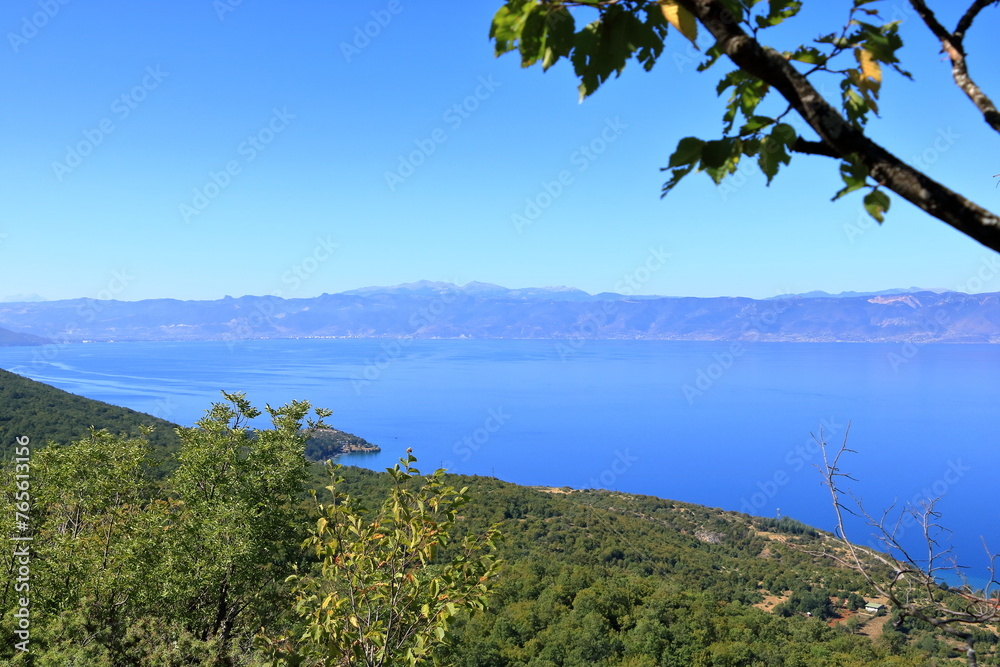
(870,69)
(681,19)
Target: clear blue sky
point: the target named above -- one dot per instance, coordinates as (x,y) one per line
(162,95)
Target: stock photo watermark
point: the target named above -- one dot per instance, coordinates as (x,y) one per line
(304,269)
(393,349)
(121,108)
(863,221)
(265,308)
(908,349)
(364,34)
(599,317)
(923,500)
(939,324)
(91,308)
(755,326)
(470,443)
(34,23)
(224,7)
(85,313)
(551,189)
(164,408)
(989,269)
(620,464)
(587,329)
(22,538)
(795,460)
(248,150)
(453,117)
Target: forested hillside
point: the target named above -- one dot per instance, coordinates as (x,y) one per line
(43,413)
(604,578)
(195,568)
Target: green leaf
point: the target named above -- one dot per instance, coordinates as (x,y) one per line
(688,151)
(751,146)
(773,150)
(508,24)
(714,154)
(877,203)
(649,37)
(712,56)
(881,41)
(779,10)
(855,176)
(676,176)
(533,33)
(561,28)
(755,123)
(603,47)
(807,54)
(719,158)
(855,107)
(584,58)
(748,91)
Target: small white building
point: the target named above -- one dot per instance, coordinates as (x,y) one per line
(874,608)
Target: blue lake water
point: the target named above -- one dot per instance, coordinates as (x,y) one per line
(693,421)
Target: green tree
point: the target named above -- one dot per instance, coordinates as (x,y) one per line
(854,54)
(815,603)
(378,594)
(233,529)
(125,571)
(93,533)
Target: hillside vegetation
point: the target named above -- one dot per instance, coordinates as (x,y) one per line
(193,568)
(44,413)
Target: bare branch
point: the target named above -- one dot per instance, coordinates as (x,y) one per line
(970,15)
(951,44)
(912,589)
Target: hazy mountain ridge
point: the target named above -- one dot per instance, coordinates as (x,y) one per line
(8,337)
(480,310)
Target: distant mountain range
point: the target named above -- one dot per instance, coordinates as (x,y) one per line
(817,294)
(21,298)
(482,310)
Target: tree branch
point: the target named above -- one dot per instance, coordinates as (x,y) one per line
(951,44)
(812,148)
(843,139)
(913,588)
(970,15)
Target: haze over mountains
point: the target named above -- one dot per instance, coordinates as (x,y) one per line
(482,310)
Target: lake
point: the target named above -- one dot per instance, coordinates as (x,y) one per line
(719,424)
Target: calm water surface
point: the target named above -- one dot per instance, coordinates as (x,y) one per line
(689,421)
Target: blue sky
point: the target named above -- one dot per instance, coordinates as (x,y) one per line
(195,149)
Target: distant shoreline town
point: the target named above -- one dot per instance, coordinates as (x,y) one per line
(435,310)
